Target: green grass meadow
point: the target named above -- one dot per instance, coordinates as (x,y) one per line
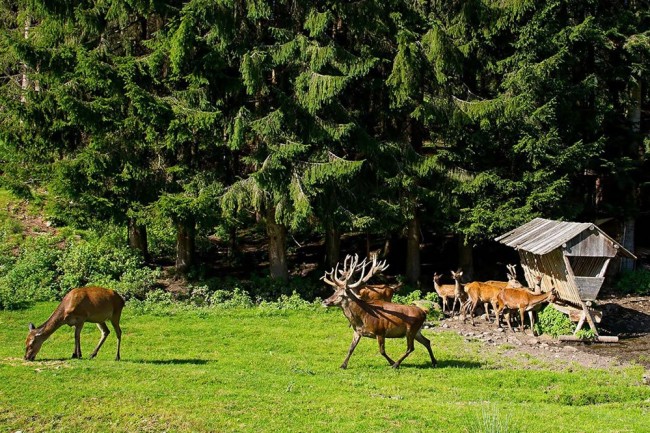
(251,370)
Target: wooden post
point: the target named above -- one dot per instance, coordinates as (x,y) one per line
(585,309)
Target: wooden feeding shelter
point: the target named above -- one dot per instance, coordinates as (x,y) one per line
(570,257)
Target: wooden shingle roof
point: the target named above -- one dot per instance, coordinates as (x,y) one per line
(541,236)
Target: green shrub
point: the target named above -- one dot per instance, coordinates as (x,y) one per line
(586,334)
(636,282)
(293,302)
(415,297)
(32,276)
(553,322)
(155,302)
(105,260)
(236,298)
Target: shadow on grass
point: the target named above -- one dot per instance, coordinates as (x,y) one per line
(448,363)
(174,361)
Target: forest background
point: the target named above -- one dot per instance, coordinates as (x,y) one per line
(176,134)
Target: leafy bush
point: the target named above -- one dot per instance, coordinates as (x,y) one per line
(236,298)
(155,302)
(415,296)
(32,276)
(636,282)
(586,334)
(553,322)
(293,302)
(105,260)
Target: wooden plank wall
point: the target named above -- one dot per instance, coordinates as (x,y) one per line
(552,268)
(590,243)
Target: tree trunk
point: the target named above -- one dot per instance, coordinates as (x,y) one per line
(629,229)
(332,245)
(465,258)
(277,234)
(185,236)
(413,252)
(629,225)
(24,81)
(232,243)
(138,238)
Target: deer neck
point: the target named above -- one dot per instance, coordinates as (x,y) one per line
(356,310)
(54,322)
(538,299)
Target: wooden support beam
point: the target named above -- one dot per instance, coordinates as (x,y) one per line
(597,339)
(587,313)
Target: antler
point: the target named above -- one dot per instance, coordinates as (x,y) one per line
(340,278)
(365,276)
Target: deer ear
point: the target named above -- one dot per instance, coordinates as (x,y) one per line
(31,327)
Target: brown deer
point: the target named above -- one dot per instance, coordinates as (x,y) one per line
(449,291)
(512,279)
(384,292)
(444,291)
(481,292)
(522,300)
(374,318)
(80,305)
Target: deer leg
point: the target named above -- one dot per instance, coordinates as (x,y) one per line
(471,311)
(497,319)
(495,308)
(487,311)
(77,340)
(104,330)
(115,321)
(381,341)
(355,340)
(409,349)
(466,307)
(426,343)
(509,321)
(521,320)
(531,316)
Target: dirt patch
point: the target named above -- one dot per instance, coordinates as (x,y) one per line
(32,225)
(627,317)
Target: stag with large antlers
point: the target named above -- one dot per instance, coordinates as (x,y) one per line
(374,318)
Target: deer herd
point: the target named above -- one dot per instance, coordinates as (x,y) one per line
(371,314)
(367,307)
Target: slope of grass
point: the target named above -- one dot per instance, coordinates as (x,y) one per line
(250,370)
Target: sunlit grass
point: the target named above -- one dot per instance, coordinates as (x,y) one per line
(252,370)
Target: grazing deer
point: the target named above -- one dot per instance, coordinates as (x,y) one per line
(522,300)
(448,291)
(374,318)
(81,305)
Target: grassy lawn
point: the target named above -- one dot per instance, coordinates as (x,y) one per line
(250,370)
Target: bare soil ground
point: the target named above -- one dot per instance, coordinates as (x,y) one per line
(628,317)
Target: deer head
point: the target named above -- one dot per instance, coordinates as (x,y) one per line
(340,278)
(33,342)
